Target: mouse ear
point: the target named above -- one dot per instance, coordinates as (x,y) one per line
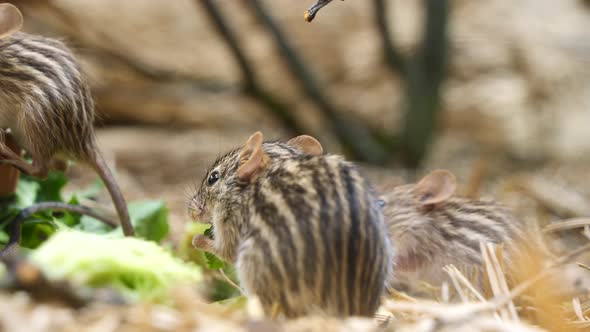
(436,187)
(307,144)
(252,158)
(11,20)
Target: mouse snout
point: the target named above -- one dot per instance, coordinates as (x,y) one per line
(196,208)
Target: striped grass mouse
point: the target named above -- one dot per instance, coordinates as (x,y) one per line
(46,103)
(303,228)
(429,228)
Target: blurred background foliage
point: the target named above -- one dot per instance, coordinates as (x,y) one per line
(400,86)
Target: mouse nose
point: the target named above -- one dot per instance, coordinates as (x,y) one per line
(196,208)
(193,212)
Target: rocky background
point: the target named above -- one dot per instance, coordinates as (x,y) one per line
(516,97)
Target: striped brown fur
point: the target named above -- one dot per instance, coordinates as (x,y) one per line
(426,237)
(44,99)
(48,107)
(306,234)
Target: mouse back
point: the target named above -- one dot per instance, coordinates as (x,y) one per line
(430,228)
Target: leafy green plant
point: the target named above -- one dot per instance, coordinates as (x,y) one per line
(89,252)
(138,269)
(150,218)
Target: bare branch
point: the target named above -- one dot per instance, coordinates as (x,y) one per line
(434,42)
(230,38)
(424,77)
(356,138)
(253,88)
(393,58)
(313,10)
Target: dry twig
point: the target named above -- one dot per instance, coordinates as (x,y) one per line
(252,87)
(16,223)
(313,10)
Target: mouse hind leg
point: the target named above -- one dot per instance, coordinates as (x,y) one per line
(38,168)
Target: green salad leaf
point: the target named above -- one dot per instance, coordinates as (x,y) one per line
(139,269)
(150,218)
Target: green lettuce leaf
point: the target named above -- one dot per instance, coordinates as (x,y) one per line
(139,269)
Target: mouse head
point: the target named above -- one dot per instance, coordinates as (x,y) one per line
(11,20)
(223,195)
(241,167)
(435,188)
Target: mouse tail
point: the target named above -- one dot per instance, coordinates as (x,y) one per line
(103,170)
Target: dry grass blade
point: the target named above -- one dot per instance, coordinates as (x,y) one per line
(401,296)
(229,281)
(577,306)
(567,224)
(522,287)
(468,285)
(433,313)
(452,271)
(461,279)
(497,279)
(583,321)
(444,312)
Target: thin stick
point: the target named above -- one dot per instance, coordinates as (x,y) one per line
(313,10)
(229,281)
(16,223)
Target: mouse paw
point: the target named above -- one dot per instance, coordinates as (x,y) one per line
(202,242)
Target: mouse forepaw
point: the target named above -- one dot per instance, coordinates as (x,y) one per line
(202,242)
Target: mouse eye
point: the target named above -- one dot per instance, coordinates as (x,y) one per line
(213,177)
(381,203)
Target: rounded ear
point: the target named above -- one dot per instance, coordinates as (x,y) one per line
(252,158)
(307,144)
(11,20)
(436,187)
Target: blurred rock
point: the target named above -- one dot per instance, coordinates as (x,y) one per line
(514,82)
(517,87)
